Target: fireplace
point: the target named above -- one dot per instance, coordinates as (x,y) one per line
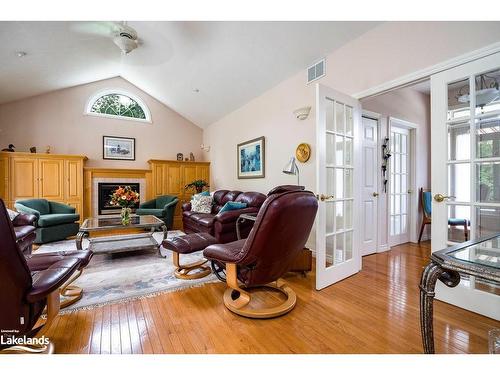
(104,192)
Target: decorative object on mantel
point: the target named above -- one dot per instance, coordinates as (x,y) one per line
(180,156)
(33,150)
(47,150)
(124,197)
(118,148)
(198,185)
(303,152)
(186,159)
(291,168)
(302,113)
(10,148)
(191,156)
(386,154)
(205,147)
(251,157)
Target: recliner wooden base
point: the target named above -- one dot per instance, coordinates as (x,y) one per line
(72,293)
(185,271)
(241,304)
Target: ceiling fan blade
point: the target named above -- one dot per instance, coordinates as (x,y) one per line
(100,28)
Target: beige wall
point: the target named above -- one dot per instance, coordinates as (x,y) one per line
(413,106)
(57,119)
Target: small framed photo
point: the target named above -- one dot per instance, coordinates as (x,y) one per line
(118,148)
(252,158)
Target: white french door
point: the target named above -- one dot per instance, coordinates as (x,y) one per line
(369,198)
(465,151)
(399,186)
(338,118)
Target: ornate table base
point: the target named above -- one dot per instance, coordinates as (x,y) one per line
(430,275)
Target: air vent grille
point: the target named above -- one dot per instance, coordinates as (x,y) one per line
(316,71)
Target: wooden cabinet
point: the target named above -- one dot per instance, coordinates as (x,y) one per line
(169,177)
(49,176)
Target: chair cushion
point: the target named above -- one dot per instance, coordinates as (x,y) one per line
(40,262)
(163,200)
(427,198)
(23,231)
(150,211)
(55,219)
(189,243)
(231,206)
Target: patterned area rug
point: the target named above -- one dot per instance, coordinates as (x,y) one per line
(121,277)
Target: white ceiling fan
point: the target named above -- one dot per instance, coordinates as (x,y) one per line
(124,36)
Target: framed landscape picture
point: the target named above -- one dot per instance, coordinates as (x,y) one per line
(118,148)
(252,158)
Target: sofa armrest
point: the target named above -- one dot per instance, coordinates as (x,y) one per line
(61,208)
(148,204)
(24,219)
(186,206)
(230,216)
(51,279)
(27,210)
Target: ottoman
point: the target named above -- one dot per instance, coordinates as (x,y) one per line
(188,244)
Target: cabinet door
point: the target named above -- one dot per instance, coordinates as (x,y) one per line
(188,175)
(174,181)
(4,179)
(24,178)
(51,178)
(73,179)
(202,173)
(158,179)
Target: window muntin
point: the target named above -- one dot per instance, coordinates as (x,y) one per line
(118,104)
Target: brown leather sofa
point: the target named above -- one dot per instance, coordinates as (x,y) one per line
(24,228)
(24,294)
(222,226)
(280,232)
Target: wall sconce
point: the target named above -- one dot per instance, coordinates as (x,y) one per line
(205,148)
(302,113)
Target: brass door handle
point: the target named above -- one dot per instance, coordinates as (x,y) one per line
(440,197)
(375,194)
(323,197)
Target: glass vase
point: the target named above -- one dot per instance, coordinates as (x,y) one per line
(125,215)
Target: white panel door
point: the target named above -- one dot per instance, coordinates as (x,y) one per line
(338,119)
(369,199)
(465,150)
(399,186)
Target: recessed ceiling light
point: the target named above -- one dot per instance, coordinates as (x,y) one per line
(21,53)
(196,90)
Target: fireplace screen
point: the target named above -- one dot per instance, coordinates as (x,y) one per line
(105,190)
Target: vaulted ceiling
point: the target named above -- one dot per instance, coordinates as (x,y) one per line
(228,62)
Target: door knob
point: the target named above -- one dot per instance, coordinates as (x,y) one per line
(441,197)
(323,197)
(410,191)
(375,194)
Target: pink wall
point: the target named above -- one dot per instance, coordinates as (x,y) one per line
(57,119)
(413,106)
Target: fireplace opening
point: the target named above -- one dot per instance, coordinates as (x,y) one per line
(104,192)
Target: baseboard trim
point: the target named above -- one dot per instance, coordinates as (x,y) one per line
(383,248)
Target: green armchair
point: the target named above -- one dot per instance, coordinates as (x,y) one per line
(54,221)
(162,207)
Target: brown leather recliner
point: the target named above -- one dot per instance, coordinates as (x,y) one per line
(24,228)
(279,234)
(23,294)
(223,226)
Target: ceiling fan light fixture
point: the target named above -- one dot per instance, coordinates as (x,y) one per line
(125,44)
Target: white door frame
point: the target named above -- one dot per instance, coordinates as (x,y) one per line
(414,154)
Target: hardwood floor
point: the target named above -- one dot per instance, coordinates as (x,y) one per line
(375,311)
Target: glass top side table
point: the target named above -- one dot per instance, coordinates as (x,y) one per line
(479,258)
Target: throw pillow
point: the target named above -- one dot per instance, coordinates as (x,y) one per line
(12,214)
(202,204)
(202,194)
(230,206)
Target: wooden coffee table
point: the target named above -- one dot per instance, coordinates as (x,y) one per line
(116,244)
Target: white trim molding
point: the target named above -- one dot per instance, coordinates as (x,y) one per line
(90,102)
(424,74)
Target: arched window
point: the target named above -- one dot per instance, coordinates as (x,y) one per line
(118,103)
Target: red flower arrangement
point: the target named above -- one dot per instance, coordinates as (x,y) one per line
(124,197)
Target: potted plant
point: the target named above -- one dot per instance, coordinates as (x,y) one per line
(124,197)
(198,185)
